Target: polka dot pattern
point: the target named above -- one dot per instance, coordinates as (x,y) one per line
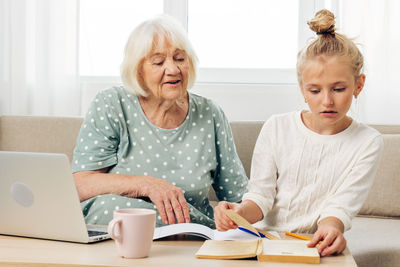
(103,214)
(194,156)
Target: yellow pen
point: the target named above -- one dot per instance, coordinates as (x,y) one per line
(301,237)
(298,236)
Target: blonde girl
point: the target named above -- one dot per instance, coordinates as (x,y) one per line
(312,169)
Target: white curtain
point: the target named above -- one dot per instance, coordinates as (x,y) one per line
(39,57)
(376,25)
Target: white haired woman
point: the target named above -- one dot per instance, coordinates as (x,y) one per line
(152,144)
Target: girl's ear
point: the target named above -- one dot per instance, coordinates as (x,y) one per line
(359,85)
(302,92)
(301,88)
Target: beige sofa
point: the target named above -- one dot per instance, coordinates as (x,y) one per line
(374,239)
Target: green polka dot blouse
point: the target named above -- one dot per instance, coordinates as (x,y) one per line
(194,156)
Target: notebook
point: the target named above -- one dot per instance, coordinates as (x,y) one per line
(272,249)
(264,249)
(38,198)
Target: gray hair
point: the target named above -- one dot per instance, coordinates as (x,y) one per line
(140,43)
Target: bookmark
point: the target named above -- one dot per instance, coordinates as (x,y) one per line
(268,235)
(250,232)
(240,221)
(245,226)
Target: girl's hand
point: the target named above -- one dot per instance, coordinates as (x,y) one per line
(169,200)
(222,221)
(247,209)
(330,232)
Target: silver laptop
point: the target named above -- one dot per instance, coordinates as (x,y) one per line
(38,198)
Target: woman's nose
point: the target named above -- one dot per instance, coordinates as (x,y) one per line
(171,67)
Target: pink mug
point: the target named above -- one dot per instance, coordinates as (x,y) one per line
(133,230)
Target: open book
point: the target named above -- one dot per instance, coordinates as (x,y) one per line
(263,249)
(203,231)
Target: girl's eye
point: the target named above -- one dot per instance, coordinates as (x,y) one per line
(314,91)
(180,59)
(339,89)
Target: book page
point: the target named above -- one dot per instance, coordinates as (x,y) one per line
(217,249)
(236,234)
(288,251)
(205,232)
(288,247)
(184,228)
(233,234)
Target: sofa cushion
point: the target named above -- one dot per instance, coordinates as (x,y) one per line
(374,241)
(245,134)
(383,199)
(39,134)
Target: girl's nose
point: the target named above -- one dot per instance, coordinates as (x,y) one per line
(328,99)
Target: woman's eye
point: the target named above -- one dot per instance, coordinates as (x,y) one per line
(158,63)
(180,59)
(314,91)
(339,89)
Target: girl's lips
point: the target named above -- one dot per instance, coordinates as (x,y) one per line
(328,113)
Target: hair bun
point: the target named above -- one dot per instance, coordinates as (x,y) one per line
(323,22)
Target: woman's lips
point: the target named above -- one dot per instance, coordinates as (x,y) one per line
(172,82)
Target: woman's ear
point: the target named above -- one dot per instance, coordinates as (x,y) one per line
(359,85)
(139,75)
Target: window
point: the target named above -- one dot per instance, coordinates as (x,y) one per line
(244,34)
(104,29)
(237,41)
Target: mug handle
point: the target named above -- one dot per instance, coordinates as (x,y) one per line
(112,227)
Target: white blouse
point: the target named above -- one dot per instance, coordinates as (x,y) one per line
(299,177)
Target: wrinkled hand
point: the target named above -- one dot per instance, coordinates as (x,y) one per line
(222,221)
(169,200)
(331,234)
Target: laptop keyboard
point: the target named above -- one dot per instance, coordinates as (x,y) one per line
(96,233)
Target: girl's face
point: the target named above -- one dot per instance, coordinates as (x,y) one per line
(328,86)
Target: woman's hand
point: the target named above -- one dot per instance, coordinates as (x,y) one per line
(222,221)
(169,200)
(330,232)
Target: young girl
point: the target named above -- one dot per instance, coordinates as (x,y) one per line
(312,170)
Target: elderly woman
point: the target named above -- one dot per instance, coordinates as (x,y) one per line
(152,144)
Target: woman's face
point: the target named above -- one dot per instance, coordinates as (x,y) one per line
(164,73)
(328,86)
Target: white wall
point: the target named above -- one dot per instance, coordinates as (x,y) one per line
(243,102)
(249,102)
(240,102)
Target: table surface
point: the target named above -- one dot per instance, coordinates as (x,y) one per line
(177,251)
